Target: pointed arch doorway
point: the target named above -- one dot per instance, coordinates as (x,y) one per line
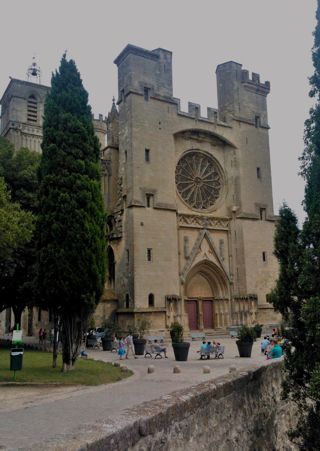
(204,284)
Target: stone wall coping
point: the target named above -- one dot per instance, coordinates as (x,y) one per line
(147,419)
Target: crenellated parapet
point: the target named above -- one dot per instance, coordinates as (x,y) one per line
(254,84)
(240,96)
(194,112)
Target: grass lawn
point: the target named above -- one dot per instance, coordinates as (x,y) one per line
(37,368)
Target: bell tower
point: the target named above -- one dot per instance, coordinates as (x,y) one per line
(22,109)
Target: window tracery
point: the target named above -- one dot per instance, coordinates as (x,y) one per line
(198,180)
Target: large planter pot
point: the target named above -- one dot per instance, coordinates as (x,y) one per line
(139,345)
(258,332)
(244,348)
(107,343)
(181,351)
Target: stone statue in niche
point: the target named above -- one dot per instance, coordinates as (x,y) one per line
(186,246)
(221,249)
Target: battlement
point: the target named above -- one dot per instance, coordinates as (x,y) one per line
(243,76)
(241,96)
(254,82)
(147,72)
(194,111)
(99,120)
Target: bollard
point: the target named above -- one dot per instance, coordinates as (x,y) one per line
(176,369)
(206,370)
(150,369)
(232,369)
(117,364)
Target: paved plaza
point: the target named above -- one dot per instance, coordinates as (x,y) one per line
(30,416)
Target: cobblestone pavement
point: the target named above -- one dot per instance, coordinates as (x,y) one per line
(51,414)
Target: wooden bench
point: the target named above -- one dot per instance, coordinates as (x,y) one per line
(197,335)
(217,352)
(233,331)
(93,342)
(152,343)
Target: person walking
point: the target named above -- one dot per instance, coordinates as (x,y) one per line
(121,349)
(130,346)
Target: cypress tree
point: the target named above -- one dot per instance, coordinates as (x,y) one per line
(310,274)
(297,294)
(71,224)
(288,252)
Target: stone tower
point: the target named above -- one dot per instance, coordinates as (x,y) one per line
(22,108)
(191,212)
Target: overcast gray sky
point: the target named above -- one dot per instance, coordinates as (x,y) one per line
(273,38)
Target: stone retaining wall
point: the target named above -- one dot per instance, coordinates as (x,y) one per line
(232,413)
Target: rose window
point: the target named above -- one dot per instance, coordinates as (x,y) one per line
(198,180)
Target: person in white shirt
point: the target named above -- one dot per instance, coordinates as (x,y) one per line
(130,346)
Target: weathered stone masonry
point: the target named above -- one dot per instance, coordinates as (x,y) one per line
(190,199)
(232,413)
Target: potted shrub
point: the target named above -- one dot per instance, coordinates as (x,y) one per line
(180,347)
(111,329)
(258,330)
(246,337)
(138,336)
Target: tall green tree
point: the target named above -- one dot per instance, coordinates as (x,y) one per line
(297,294)
(71,222)
(19,170)
(287,243)
(16,230)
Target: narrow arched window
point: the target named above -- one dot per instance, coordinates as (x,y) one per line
(127,301)
(32,109)
(111,266)
(151,300)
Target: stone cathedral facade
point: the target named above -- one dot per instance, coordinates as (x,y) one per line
(188,194)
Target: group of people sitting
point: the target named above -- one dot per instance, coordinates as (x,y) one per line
(125,347)
(273,346)
(208,348)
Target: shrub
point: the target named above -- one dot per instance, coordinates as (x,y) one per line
(176,332)
(246,334)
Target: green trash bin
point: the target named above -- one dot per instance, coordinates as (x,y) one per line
(16,357)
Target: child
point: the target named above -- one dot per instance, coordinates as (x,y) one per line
(210,349)
(121,349)
(264,344)
(203,350)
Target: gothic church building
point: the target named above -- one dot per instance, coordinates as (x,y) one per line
(188,195)
(191,220)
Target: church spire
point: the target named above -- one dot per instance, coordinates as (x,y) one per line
(113,125)
(114,111)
